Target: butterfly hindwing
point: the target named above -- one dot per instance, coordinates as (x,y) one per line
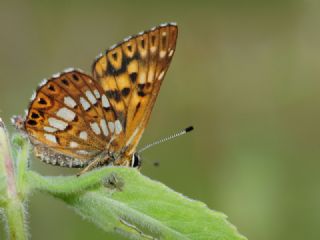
(71,114)
(131,74)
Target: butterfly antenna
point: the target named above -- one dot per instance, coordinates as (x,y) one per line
(178,134)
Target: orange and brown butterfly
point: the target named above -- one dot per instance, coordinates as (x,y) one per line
(82,121)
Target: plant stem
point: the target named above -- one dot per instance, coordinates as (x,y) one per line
(15,219)
(13,207)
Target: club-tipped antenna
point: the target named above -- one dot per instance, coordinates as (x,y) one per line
(178,134)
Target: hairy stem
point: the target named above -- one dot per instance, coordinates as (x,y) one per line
(15,219)
(12,201)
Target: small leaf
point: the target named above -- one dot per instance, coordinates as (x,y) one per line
(122,200)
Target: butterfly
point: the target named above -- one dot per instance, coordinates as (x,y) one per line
(82,121)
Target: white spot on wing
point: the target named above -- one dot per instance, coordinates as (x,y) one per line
(113,46)
(69,102)
(95,128)
(127,39)
(171,53)
(43,82)
(111,126)
(56,75)
(99,56)
(162,54)
(69,70)
(50,137)
(150,76)
(90,96)
(66,114)
(161,75)
(163,24)
(83,135)
(56,123)
(84,103)
(142,77)
(96,93)
(82,152)
(33,96)
(153,49)
(50,129)
(118,126)
(74,144)
(104,128)
(105,101)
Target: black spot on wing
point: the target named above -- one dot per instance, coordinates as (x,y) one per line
(137,109)
(115,56)
(141,86)
(125,92)
(153,39)
(65,82)
(35,115)
(42,101)
(164,40)
(111,69)
(114,94)
(75,77)
(32,122)
(133,77)
(141,93)
(51,88)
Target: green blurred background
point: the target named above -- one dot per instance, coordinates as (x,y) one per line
(245,74)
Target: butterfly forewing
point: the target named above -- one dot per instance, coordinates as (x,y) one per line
(131,74)
(70,113)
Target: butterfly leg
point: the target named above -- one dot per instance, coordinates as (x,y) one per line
(98,161)
(91,166)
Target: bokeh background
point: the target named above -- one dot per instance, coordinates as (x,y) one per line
(246,74)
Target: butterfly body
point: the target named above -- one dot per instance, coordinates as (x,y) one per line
(78,120)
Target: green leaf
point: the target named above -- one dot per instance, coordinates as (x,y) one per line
(123,201)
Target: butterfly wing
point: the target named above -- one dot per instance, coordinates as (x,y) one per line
(131,74)
(70,116)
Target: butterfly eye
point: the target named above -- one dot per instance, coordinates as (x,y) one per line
(135,161)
